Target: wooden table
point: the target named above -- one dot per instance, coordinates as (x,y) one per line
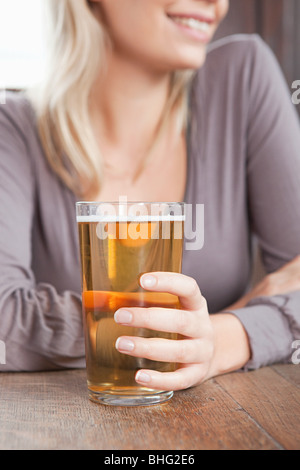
(253,410)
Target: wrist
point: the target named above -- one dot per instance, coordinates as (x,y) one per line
(232,349)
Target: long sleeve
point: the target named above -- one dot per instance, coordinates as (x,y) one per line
(273,180)
(41,328)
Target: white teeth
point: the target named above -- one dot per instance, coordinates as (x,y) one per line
(192,23)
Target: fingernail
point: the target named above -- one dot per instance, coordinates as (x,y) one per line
(123,344)
(142,377)
(148,281)
(123,316)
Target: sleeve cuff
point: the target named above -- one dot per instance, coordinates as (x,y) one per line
(268,330)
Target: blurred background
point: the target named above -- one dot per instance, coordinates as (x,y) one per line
(276,21)
(22,41)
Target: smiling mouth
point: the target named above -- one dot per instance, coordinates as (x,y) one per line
(195,24)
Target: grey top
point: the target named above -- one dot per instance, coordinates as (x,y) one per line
(243,165)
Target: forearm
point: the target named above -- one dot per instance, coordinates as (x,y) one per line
(41,328)
(232,348)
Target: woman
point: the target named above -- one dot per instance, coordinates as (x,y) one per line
(136,103)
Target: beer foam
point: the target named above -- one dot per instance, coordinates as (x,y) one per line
(136,219)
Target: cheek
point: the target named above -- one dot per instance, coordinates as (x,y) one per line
(222,9)
(130,30)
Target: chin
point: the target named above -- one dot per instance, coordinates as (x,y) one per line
(192,61)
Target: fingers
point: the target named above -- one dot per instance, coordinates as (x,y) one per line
(159,349)
(184,287)
(192,322)
(181,379)
(184,322)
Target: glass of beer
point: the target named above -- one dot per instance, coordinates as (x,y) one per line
(118,243)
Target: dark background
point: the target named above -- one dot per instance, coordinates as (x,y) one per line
(277,22)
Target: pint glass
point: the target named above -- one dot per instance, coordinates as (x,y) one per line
(118,243)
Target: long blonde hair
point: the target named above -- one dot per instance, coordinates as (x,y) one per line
(78,44)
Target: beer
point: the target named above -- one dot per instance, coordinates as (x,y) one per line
(114,254)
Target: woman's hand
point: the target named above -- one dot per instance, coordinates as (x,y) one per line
(284,280)
(194,352)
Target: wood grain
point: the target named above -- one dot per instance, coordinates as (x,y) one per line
(272,399)
(290,373)
(238,411)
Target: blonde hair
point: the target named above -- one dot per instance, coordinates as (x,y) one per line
(62,101)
